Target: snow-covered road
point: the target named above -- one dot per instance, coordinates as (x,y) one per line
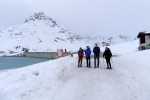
(94,84)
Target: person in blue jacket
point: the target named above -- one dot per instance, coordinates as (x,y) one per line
(88,56)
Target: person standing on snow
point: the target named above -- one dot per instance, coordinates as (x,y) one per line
(88,56)
(107,55)
(96,51)
(80,57)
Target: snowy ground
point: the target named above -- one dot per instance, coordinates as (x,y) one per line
(61,80)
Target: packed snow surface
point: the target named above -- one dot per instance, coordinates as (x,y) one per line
(61,79)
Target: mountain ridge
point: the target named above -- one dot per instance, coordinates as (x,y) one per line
(40,33)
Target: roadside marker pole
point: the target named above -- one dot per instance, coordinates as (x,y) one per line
(113,66)
(104,63)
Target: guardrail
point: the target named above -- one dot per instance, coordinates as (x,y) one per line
(50,55)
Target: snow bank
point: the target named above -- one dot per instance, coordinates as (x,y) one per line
(35,82)
(135,68)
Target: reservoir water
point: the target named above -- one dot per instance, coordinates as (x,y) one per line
(18,62)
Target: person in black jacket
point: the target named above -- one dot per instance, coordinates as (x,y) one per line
(107,55)
(96,52)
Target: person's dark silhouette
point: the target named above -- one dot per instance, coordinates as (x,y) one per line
(96,52)
(107,55)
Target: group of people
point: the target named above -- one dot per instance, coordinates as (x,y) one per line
(96,50)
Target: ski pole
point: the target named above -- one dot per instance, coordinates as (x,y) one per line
(103,63)
(112,63)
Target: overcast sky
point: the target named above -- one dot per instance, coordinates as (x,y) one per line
(82,16)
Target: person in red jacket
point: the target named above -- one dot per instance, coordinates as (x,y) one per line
(80,57)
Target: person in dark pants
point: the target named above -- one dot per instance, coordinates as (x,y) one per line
(80,57)
(96,51)
(88,56)
(107,55)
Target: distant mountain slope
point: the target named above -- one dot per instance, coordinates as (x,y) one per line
(124,48)
(107,39)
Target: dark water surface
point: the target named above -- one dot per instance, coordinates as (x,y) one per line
(18,62)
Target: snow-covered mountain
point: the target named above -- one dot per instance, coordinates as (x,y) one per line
(40,33)
(37,33)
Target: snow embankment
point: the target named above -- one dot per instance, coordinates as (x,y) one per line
(35,82)
(135,68)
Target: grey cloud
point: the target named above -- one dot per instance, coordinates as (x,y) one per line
(85,16)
